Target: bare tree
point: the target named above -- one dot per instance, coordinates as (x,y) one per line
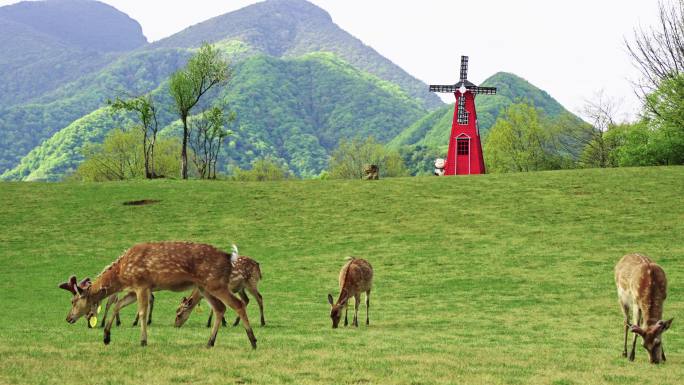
(658,52)
(601,112)
(207,132)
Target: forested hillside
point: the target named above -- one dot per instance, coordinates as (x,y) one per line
(299,84)
(296,110)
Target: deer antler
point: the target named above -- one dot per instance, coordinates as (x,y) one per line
(84,283)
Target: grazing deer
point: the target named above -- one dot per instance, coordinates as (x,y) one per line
(174,266)
(356,277)
(642,289)
(245,274)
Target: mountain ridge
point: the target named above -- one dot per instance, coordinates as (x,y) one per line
(293,28)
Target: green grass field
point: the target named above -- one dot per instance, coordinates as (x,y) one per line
(496,279)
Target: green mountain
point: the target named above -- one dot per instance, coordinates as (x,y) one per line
(299,85)
(285,109)
(291,28)
(45,44)
(433,129)
(41,110)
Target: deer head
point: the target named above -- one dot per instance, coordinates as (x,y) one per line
(652,339)
(82,302)
(183,311)
(335,311)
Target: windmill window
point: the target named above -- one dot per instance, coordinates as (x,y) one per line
(462,146)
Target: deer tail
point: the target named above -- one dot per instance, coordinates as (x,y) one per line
(234,254)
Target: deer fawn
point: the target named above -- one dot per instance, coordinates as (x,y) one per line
(245,274)
(642,289)
(148,267)
(356,277)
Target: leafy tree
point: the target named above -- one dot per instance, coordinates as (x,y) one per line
(667,120)
(523,140)
(632,143)
(349,159)
(119,157)
(420,159)
(187,86)
(206,139)
(264,169)
(146,111)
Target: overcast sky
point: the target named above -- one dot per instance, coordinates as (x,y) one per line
(572,49)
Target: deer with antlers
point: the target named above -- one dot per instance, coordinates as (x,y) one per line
(642,289)
(355,278)
(245,275)
(148,267)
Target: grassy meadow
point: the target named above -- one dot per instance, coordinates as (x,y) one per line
(496,279)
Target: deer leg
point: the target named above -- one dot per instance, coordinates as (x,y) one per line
(625,312)
(367,307)
(143,311)
(120,304)
(357,303)
(223,294)
(219,309)
(211,316)
(245,299)
(346,308)
(634,341)
(260,300)
(149,315)
(118,319)
(111,300)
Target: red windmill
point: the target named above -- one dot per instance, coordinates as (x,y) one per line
(465,149)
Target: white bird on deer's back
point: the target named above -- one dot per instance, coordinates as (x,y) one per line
(175,266)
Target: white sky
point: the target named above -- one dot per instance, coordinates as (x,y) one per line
(571,49)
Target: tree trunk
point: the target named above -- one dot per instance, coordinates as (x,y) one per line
(147,156)
(184,150)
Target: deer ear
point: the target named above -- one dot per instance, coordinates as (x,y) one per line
(67,287)
(637,330)
(664,325)
(330,299)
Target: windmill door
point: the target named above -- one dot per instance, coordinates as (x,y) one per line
(463,155)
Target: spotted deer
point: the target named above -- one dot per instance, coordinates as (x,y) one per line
(245,275)
(355,278)
(174,266)
(642,289)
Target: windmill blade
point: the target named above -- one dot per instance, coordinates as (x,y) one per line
(482,90)
(446,89)
(464,68)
